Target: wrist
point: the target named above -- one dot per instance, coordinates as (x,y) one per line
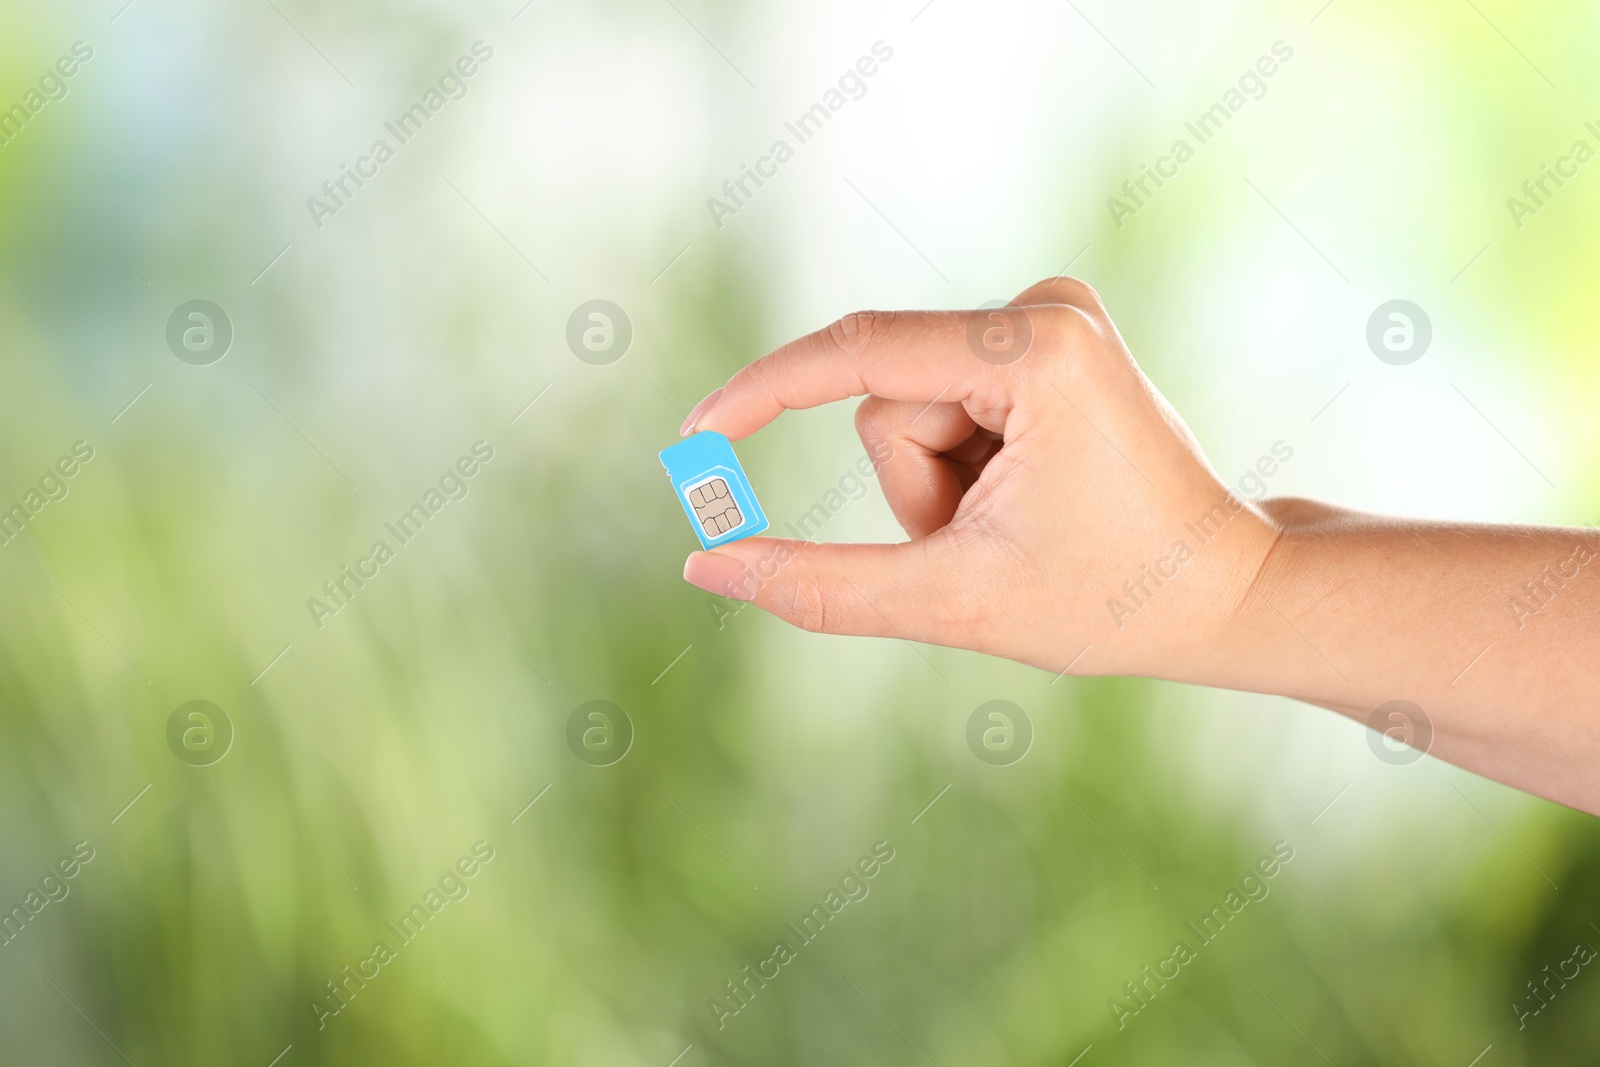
(1191,632)
(1261,620)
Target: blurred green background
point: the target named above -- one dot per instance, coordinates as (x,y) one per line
(370,352)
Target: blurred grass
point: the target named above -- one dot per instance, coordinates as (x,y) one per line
(425,717)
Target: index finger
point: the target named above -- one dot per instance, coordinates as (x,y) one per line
(898,355)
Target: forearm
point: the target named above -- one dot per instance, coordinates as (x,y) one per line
(1494,631)
(1062,515)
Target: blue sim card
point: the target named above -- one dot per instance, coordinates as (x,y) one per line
(715,493)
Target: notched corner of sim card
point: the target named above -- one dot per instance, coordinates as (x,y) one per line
(713,489)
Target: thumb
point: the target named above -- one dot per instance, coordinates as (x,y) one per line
(865,590)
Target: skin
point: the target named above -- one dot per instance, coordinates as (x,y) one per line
(1032,490)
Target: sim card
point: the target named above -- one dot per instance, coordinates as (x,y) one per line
(713,489)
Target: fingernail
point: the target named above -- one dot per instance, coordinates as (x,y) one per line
(699,409)
(721,575)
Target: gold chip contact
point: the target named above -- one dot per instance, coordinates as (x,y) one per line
(714,507)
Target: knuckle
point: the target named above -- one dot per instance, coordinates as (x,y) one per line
(1062,324)
(763,377)
(753,373)
(747,376)
(1062,290)
(1079,292)
(854,332)
(807,605)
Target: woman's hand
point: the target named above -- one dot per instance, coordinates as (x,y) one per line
(1061,514)
(1059,511)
